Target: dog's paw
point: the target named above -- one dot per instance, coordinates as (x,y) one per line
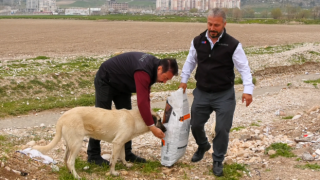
(129,165)
(115,173)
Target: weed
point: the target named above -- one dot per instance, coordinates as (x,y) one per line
(313,82)
(281,149)
(289,84)
(232,172)
(156,109)
(268,170)
(254,124)
(237,128)
(309,166)
(41,57)
(287,117)
(238,80)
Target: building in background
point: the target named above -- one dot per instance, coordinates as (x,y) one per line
(201,5)
(77,11)
(112,4)
(41,5)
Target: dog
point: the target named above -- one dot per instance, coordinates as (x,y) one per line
(113,126)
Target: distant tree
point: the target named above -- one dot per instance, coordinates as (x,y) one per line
(300,4)
(292,12)
(304,14)
(236,13)
(276,13)
(247,13)
(264,14)
(193,10)
(316,12)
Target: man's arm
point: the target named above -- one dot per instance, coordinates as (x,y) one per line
(241,63)
(188,67)
(142,81)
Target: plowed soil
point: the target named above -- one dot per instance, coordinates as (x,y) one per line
(31,37)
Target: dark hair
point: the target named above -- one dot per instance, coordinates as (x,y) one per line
(169,64)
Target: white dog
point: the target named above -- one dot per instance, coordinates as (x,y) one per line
(114,126)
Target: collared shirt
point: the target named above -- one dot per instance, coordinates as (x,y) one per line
(239,59)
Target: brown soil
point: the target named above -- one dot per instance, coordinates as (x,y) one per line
(30,38)
(306,67)
(24,37)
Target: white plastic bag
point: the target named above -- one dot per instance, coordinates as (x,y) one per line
(176,119)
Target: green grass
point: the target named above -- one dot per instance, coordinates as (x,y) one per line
(237,128)
(149,169)
(309,166)
(231,172)
(254,124)
(281,149)
(238,80)
(313,82)
(287,117)
(156,109)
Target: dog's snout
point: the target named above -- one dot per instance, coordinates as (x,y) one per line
(161,126)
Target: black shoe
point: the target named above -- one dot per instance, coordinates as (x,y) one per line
(133,158)
(99,161)
(198,155)
(217,168)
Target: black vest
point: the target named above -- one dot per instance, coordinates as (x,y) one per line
(119,71)
(215,67)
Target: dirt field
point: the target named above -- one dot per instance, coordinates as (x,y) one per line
(23,38)
(31,38)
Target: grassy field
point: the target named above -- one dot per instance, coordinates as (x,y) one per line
(40,83)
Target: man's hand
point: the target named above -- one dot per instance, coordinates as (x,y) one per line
(157,132)
(248,98)
(183,86)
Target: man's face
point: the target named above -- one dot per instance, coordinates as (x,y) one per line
(163,77)
(215,26)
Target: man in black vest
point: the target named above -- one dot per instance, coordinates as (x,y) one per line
(122,75)
(216,54)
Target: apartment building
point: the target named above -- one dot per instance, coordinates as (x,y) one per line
(202,5)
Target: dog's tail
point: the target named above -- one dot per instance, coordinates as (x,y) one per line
(53,143)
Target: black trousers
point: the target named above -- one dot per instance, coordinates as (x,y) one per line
(223,103)
(105,94)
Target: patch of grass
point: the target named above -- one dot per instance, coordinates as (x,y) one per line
(156,109)
(268,170)
(309,166)
(238,80)
(271,49)
(3,138)
(254,124)
(237,128)
(289,84)
(314,52)
(313,82)
(42,57)
(232,172)
(21,107)
(287,117)
(281,149)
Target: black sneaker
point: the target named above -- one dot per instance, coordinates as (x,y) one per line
(99,161)
(217,168)
(133,158)
(198,155)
